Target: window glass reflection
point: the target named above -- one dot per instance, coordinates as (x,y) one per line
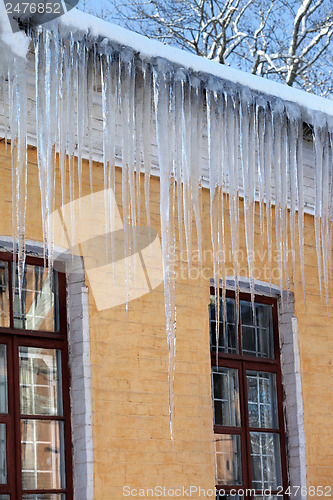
(3,379)
(4,295)
(42,454)
(257,329)
(228,459)
(38,307)
(265,460)
(271,497)
(44,496)
(228,334)
(3,455)
(262,401)
(229,497)
(40,381)
(226,396)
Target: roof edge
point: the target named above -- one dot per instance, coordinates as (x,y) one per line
(76,21)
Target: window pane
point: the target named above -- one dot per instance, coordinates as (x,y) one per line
(228,459)
(262,402)
(272,497)
(229,497)
(265,460)
(40,381)
(4,497)
(226,396)
(228,335)
(45,496)
(42,453)
(3,379)
(38,309)
(4,296)
(3,455)
(257,330)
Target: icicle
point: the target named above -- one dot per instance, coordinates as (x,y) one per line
(46,127)
(130,69)
(247,141)
(196,155)
(260,127)
(161,97)
(330,209)
(81,92)
(107,111)
(232,148)
(5,101)
(221,159)
(277,124)
(178,159)
(324,226)
(284,197)
(70,86)
(292,161)
(318,144)
(61,122)
(300,199)
(186,166)
(124,70)
(213,122)
(146,134)
(18,126)
(267,173)
(91,72)
(138,109)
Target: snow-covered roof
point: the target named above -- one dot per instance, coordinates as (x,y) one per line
(78,21)
(11,44)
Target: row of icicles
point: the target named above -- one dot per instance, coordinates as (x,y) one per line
(252,144)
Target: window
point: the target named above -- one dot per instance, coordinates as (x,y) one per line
(247,398)
(35,433)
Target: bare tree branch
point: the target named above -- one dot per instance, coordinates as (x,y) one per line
(288,41)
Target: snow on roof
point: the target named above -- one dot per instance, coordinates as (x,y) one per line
(78,21)
(11,44)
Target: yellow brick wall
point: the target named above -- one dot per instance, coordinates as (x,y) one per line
(130,364)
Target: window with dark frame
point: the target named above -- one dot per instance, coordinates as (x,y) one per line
(35,430)
(247,398)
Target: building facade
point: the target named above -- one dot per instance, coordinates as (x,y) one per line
(88,367)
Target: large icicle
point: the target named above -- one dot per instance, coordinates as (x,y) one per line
(46,129)
(247,141)
(18,126)
(319,146)
(161,97)
(214,120)
(196,155)
(267,173)
(277,136)
(300,199)
(232,149)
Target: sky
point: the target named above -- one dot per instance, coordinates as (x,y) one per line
(93,5)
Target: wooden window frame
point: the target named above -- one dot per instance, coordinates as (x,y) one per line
(243,363)
(14,338)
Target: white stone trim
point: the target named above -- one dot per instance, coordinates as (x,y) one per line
(81,392)
(293,402)
(80,364)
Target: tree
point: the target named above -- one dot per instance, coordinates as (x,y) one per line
(289,41)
